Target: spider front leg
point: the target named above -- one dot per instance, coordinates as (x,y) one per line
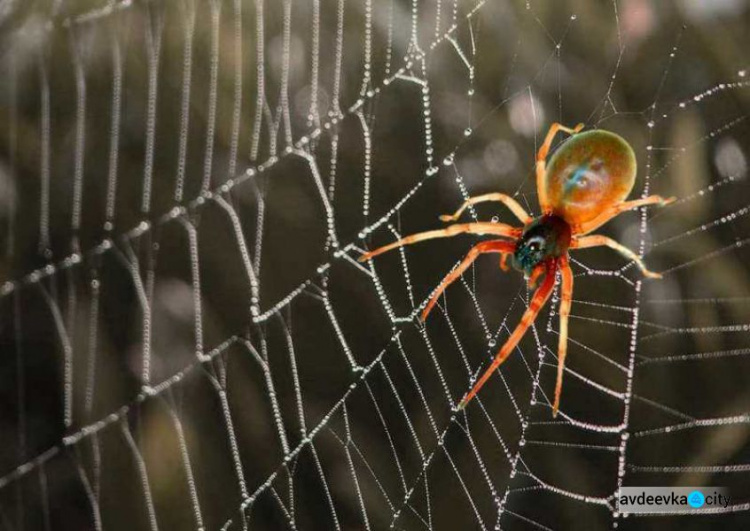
(537,302)
(617,209)
(507,200)
(496,229)
(566,300)
(541,162)
(493,246)
(597,240)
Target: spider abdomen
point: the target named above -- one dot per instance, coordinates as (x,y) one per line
(589,173)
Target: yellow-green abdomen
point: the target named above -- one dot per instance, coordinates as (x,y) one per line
(590,172)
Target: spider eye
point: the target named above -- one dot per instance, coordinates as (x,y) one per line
(535,244)
(530,252)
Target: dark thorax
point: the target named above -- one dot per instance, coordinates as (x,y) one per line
(545,237)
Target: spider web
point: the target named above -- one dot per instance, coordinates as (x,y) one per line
(190,342)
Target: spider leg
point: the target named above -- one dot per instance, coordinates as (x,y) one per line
(497,229)
(508,201)
(493,246)
(613,211)
(562,346)
(541,161)
(537,302)
(534,276)
(597,240)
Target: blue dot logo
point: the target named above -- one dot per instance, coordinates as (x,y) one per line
(696,499)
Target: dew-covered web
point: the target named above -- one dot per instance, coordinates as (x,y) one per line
(189,341)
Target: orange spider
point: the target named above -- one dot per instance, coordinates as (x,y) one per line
(588,179)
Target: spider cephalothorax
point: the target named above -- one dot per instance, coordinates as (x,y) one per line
(585,185)
(544,238)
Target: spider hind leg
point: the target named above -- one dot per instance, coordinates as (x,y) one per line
(507,200)
(619,208)
(541,161)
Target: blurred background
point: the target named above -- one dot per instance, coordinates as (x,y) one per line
(188,342)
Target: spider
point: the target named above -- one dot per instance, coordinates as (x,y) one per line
(583,187)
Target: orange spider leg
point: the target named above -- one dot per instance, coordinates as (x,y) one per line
(562,345)
(536,304)
(493,246)
(614,210)
(597,240)
(541,162)
(534,276)
(497,229)
(504,262)
(508,201)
